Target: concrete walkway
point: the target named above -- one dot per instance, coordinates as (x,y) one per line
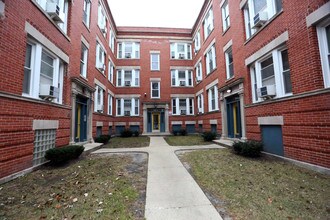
(171,191)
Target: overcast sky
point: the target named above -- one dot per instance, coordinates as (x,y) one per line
(156,13)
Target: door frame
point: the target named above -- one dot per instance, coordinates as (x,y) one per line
(153,121)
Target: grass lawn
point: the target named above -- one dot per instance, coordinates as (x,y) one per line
(92,188)
(264,188)
(131,142)
(188,140)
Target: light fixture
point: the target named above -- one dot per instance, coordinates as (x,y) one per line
(229,90)
(145,94)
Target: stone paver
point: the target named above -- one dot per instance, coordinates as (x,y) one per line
(171,191)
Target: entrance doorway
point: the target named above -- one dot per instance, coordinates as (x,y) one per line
(156,122)
(81,120)
(234,117)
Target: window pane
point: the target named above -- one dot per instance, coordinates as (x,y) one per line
(47,69)
(285,60)
(259,5)
(154,85)
(327,30)
(182,74)
(278,4)
(287,82)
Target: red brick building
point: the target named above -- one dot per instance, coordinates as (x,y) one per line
(247,69)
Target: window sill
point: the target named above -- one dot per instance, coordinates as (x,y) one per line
(211,72)
(208,35)
(86,26)
(100,71)
(155,98)
(263,27)
(82,77)
(230,79)
(225,31)
(102,32)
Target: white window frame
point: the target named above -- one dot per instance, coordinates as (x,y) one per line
(197,41)
(134,81)
(110,103)
(121,50)
(213,95)
(200,103)
(151,90)
(111,69)
(324,53)
(228,73)
(176,54)
(100,61)
(225,16)
(256,79)
(35,66)
(157,62)
(112,40)
(210,56)
(189,106)
(87,11)
(188,79)
(84,60)
(133,109)
(64,5)
(199,72)
(208,24)
(102,19)
(99,93)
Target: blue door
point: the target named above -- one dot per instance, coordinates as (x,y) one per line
(272,139)
(81,120)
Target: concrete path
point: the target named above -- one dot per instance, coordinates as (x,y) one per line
(172,194)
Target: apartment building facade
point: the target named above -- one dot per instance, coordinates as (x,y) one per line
(247,69)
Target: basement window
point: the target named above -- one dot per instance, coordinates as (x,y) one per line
(43,141)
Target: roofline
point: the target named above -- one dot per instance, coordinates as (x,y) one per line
(200,15)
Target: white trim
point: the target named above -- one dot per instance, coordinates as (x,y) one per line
(209,47)
(85,42)
(182,96)
(45,42)
(155,79)
(120,123)
(269,47)
(190,122)
(199,92)
(229,44)
(134,123)
(128,67)
(181,68)
(110,123)
(45,124)
(127,96)
(98,83)
(318,14)
(99,124)
(200,122)
(242,3)
(111,93)
(176,123)
(213,121)
(271,120)
(198,61)
(215,82)
(154,51)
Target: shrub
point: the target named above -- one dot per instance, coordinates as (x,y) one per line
(126,133)
(209,136)
(103,139)
(249,148)
(63,154)
(183,132)
(175,132)
(136,133)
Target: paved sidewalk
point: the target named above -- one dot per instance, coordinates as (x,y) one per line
(171,191)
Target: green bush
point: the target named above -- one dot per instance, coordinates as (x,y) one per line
(249,148)
(64,154)
(175,133)
(183,132)
(103,139)
(209,136)
(126,133)
(136,133)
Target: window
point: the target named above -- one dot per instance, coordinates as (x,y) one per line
(200,103)
(208,23)
(43,141)
(128,77)
(112,41)
(258,12)
(229,63)
(99,99)
(213,99)
(197,41)
(128,107)
(181,51)
(129,50)
(102,19)
(199,72)
(154,61)
(100,57)
(272,75)
(155,89)
(110,98)
(182,106)
(60,7)
(110,71)
(43,73)
(83,60)
(210,60)
(181,78)
(225,16)
(86,12)
(323,33)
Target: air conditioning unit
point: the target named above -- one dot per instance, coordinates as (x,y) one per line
(260,19)
(55,12)
(181,56)
(173,56)
(198,80)
(267,91)
(182,83)
(2,9)
(99,108)
(127,83)
(127,113)
(183,112)
(101,67)
(128,55)
(104,30)
(196,50)
(48,91)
